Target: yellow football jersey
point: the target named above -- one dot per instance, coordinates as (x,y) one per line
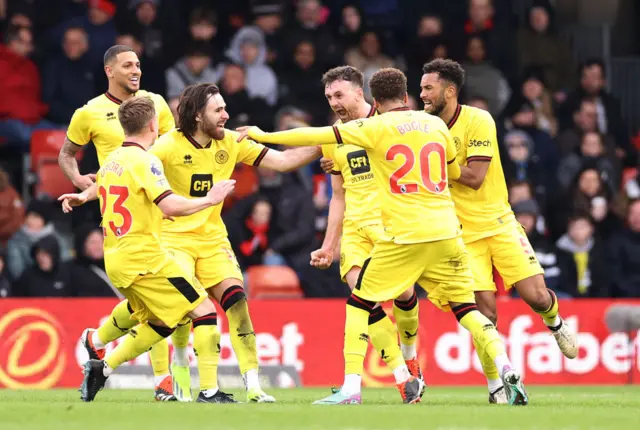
(192,170)
(130,185)
(412,155)
(482,212)
(361,192)
(97,122)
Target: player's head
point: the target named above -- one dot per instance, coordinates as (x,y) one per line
(344,90)
(138,118)
(122,66)
(440,85)
(388,86)
(202,108)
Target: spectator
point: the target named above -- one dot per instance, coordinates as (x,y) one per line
(350,30)
(533,94)
(242,109)
(609,114)
(203,27)
(540,46)
(624,255)
(5,281)
(521,191)
(268,16)
(21,108)
(251,237)
(368,58)
(68,79)
(153,77)
(146,24)
(36,226)
(87,270)
(527,213)
(249,48)
(429,35)
(309,26)
(523,164)
(48,277)
(11,209)
(478,102)
(193,68)
(483,79)
(584,259)
(591,154)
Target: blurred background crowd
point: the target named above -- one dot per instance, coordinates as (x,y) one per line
(558,76)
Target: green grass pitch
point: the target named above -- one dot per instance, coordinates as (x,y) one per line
(551,408)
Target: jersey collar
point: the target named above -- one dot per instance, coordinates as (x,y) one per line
(132,144)
(113,98)
(400,109)
(372,112)
(455,117)
(196,144)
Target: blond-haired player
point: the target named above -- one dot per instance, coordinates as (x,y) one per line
(492,235)
(97,122)
(413,156)
(134,194)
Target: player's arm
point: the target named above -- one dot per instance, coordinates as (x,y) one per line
(174,205)
(453,168)
(323,258)
(78,134)
(480,148)
(291,159)
(69,201)
(165,117)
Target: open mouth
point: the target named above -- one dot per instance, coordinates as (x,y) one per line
(134,80)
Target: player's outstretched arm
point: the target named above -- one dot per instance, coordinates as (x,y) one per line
(69,201)
(174,205)
(291,159)
(302,136)
(69,165)
(323,257)
(472,175)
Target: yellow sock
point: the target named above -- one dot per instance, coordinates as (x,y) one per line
(243,338)
(118,324)
(482,330)
(406,316)
(138,341)
(159,356)
(550,315)
(384,337)
(488,366)
(206,344)
(356,336)
(180,340)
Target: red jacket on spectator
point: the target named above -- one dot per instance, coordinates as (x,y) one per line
(11,209)
(20,88)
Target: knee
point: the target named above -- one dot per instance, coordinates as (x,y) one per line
(535,293)
(491,314)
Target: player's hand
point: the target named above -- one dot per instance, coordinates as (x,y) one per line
(326,164)
(170,218)
(69,201)
(220,191)
(321,258)
(252,132)
(84,181)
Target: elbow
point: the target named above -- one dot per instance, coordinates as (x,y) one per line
(476,184)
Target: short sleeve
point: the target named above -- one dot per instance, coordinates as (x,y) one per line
(165,116)
(483,139)
(360,132)
(152,180)
(250,152)
(328,152)
(161,150)
(79,131)
(453,168)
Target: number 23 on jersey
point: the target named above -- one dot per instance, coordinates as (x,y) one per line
(117,196)
(432,165)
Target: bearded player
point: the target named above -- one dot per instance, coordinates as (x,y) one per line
(492,235)
(354,214)
(97,122)
(413,156)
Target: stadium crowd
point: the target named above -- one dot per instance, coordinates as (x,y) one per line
(565,146)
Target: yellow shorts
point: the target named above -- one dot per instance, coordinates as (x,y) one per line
(356,246)
(441,268)
(211,262)
(511,254)
(168,295)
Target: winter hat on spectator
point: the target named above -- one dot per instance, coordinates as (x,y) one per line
(529,207)
(522,135)
(266,7)
(133,4)
(40,208)
(105,6)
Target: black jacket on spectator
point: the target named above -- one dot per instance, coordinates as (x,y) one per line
(547,256)
(624,260)
(88,275)
(598,274)
(35,282)
(67,85)
(5,281)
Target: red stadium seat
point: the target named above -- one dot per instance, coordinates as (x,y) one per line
(47,143)
(246,178)
(51,179)
(629,174)
(270,282)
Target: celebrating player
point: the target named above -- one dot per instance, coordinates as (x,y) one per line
(97,121)
(129,184)
(412,155)
(490,231)
(354,213)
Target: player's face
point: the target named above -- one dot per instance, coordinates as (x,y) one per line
(432,93)
(214,118)
(126,71)
(343,98)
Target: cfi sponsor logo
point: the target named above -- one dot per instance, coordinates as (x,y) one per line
(31,353)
